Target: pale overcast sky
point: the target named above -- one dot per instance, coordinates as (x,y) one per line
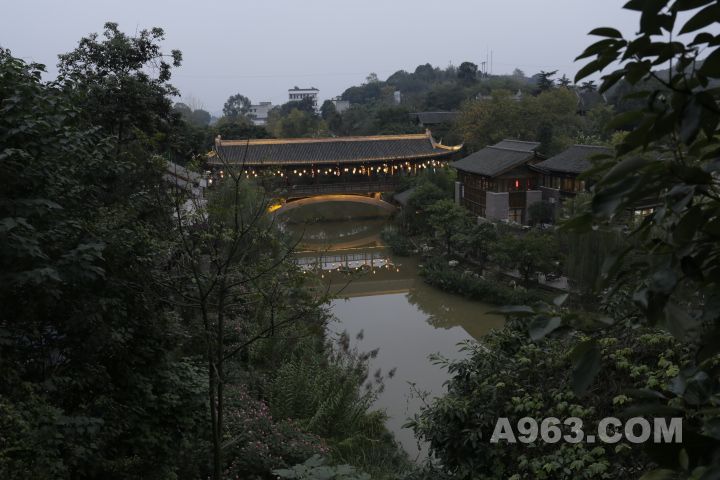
(262,48)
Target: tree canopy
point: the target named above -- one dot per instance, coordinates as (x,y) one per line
(236,106)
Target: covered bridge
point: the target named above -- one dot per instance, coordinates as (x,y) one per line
(312,166)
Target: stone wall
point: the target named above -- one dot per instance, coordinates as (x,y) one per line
(497,205)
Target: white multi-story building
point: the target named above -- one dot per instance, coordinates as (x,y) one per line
(259,113)
(296,94)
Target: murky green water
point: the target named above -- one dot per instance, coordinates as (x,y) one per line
(387,301)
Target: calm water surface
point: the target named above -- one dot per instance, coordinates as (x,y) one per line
(386,300)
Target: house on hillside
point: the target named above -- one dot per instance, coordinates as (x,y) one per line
(297,94)
(498,182)
(259,113)
(340,104)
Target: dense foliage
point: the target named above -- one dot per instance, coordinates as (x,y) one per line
(90,386)
(663,273)
(143,334)
(511,376)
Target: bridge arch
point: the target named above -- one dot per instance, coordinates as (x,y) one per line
(375,202)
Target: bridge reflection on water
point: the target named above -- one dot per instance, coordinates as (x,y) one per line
(383,296)
(361,272)
(347,260)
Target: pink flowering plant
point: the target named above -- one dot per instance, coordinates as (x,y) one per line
(255,444)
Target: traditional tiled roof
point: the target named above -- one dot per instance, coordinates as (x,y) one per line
(518,145)
(434,118)
(499,158)
(575,159)
(306,151)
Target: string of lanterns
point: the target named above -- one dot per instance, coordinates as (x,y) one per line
(312,172)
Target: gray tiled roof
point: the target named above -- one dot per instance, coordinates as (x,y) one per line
(434,118)
(499,158)
(519,145)
(575,159)
(316,151)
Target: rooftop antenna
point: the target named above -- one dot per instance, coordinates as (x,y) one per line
(491,62)
(487,58)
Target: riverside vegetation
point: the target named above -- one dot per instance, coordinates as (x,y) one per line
(142,340)
(139,339)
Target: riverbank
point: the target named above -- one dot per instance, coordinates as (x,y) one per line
(462,277)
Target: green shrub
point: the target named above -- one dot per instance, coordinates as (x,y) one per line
(326,389)
(438,274)
(397,241)
(257,444)
(510,376)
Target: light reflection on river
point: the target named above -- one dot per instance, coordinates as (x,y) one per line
(396,311)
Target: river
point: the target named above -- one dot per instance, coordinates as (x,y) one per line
(397,313)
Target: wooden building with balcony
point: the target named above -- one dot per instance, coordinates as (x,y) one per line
(558,175)
(498,182)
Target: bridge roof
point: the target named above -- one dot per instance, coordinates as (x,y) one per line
(306,151)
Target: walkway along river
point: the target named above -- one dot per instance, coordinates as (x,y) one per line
(392,307)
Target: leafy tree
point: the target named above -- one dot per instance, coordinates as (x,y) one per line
(513,375)
(545,81)
(530,254)
(425,72)
(549,118)
(393,120)
(467,72)
(305,105)
(113,87)
(595,125)
(585,255)
(478,242)
(448,219)
(564,81)
(327,109)
(424,195)
(238,129)
(588,86)
(330,115)
(541,212)
(367,93)
(183,110)
(90,381)
(236,106)
(446,96)
(200,118)
(670,156)
(297,123)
